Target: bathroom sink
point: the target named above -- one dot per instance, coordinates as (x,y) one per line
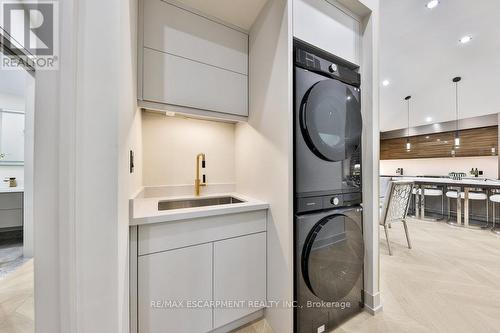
(198,202)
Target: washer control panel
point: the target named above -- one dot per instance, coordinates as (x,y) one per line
(308,204)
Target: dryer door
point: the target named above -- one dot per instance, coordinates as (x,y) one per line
(332,257)
(330,119)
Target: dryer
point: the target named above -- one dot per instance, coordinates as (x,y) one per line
(328,124)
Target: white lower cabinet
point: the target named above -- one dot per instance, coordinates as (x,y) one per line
(217,264)
(239,277)
(178,275)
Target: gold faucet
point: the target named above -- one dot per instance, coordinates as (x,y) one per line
(197,182)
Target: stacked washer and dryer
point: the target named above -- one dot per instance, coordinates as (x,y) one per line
(328,229)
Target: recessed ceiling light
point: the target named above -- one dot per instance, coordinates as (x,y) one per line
(432,4)
(465,39)
(170,113)
(385,83)
(428,119)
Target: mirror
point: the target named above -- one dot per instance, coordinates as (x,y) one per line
(11,137)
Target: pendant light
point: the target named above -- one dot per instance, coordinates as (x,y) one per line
(456,80)
(408,144)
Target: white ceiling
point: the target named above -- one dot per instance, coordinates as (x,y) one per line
(420,54)
(241,13)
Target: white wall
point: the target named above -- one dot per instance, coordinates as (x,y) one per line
(170,146)
(12,102)
(135,144)
(81,171)
(441,166)
(371,148)
(29,144)
(264,148)
(12,171)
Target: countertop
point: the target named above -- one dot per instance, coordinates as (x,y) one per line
(145,210)
(16,189)
(464,181)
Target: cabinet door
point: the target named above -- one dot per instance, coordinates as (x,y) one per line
(175,80)
(323,25)
(239,275)
(176,31)
(179,275)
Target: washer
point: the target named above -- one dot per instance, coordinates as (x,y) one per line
(328,124)
(329,250)
(328,267)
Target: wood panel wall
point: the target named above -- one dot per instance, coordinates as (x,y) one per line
(473,142)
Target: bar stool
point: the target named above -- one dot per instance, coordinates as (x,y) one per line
(416,192)
(477,196)
(495,198)
(432,192)
(453,194)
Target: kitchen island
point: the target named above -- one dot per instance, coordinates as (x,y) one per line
(464,185)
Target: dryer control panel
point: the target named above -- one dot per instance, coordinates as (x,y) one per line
(309,204)
(308,57)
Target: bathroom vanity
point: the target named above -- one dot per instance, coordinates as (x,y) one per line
(11,208)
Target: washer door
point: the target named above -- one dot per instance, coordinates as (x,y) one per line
(330,119)
(332,257)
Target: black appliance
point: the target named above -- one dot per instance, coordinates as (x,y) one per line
(329,250)
(328,125)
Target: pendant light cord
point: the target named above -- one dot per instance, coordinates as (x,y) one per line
(456,105)
(408,118)
(407,98)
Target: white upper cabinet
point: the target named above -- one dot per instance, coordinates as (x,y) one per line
(327,27)
(176,31)
(189,63)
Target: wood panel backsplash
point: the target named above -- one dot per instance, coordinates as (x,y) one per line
(473,142)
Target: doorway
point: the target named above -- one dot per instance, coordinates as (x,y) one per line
(17,103)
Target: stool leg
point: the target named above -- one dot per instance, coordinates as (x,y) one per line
(442,205)
(487,209)
(417,205)
(493,230)
(449,209)
(407,234)
(422,205)
(387,238)
(493,214)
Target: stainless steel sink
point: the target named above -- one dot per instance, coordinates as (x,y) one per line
(199,202)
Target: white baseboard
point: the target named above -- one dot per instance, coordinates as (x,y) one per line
(373,304)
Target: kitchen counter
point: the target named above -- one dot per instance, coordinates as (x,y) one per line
(145,210)
(16,189)
(463,182)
